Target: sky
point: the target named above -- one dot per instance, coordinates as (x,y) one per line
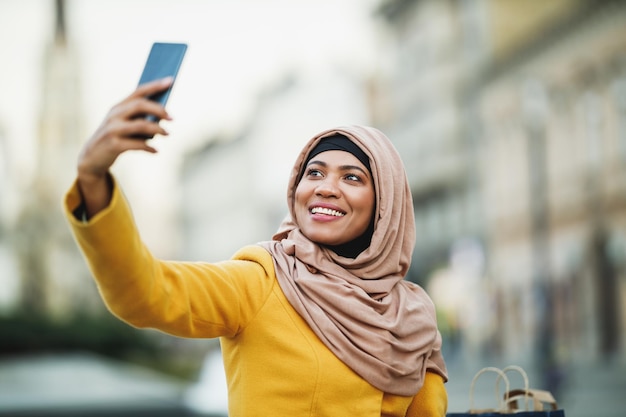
(236,48)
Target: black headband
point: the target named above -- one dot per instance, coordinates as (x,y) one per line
(339,142)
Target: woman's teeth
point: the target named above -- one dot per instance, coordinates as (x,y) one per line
(327,211)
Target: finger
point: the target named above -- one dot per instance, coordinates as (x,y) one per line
(134,144)
(139,108)
(152,87)
(142,92)
(140,128)
(119,144)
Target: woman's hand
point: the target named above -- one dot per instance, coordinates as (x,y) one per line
(118,133)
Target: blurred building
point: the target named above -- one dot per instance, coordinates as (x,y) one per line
(511,119)
(432,51)
(43,274)
(8,268)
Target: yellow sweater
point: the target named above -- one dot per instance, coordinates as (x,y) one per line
(275,364)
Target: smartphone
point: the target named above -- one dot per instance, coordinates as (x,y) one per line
(164,60)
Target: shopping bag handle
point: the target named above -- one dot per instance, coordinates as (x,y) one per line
(510,397)
(501,376)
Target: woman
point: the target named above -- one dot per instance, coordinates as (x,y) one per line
(316,322)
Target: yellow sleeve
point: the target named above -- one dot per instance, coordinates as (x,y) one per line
(432,398)
(186,299)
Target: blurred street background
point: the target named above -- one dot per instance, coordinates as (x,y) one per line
(510,116)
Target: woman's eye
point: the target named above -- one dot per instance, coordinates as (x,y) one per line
(353,177)
(313,173)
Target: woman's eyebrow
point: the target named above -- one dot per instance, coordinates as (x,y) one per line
(351,167)
(314,161)
(341,167)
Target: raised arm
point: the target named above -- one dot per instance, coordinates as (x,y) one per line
(117,134)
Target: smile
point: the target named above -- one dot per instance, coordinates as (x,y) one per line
(327,211)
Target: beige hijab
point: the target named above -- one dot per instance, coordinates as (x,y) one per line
(380,325)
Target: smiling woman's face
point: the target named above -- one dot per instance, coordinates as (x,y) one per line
(334,200)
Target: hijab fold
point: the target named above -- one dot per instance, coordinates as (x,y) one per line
(380,325)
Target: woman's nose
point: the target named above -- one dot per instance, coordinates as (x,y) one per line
(328,187)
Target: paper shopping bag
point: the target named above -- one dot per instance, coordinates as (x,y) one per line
(519,402)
